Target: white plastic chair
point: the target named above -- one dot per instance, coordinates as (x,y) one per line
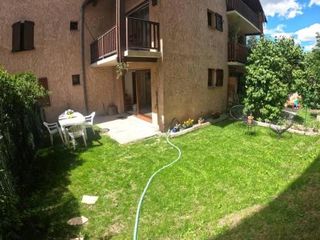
(53,128)
(89,121)
(77,131)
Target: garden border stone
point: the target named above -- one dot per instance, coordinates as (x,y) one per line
(309,132)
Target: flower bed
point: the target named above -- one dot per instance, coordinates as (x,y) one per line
(197,126)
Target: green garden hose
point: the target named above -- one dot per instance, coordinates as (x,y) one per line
(136,226)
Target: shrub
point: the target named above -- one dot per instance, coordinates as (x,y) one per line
(19,126)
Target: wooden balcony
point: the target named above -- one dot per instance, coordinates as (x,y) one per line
(104,46)
(237,53)
(142,37)
(246,12)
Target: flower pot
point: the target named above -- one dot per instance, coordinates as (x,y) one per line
(250,120)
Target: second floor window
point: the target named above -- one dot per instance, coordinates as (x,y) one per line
(219,78)
(215,20)
(215,78)
(219,22)
(22,36)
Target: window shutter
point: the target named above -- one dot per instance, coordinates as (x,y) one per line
(210,77)
(220,76)
(28,35)
(16,36)
(44,101)
(219,22)
(209,15)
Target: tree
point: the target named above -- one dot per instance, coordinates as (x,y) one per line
(273,68)
(309,85)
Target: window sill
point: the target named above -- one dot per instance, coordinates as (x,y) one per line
(17,51)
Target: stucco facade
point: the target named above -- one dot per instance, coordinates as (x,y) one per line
(179,78)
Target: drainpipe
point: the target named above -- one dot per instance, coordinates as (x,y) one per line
(82,49)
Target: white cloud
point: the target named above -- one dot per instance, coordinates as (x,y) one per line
(308,34)
(305,36)
(278,32)
(314,2)
(282,8)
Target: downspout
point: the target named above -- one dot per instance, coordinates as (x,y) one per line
(82,49)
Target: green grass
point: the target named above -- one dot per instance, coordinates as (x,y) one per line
(307,119)
(223,172)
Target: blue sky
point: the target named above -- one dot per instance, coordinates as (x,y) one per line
(299,19)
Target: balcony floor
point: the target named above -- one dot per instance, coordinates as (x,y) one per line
(106,62)
(246,27)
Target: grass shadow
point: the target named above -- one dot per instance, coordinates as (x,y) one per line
(298,119)
(294,214)
(224,123)
(49,202)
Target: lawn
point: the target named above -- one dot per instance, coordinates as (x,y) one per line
(228,185)
(307,118)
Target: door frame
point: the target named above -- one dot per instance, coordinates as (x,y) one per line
(138,95)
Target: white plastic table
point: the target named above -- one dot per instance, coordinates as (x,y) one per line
(70,120)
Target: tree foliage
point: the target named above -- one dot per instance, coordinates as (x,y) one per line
(309,85)
(273,68)
(19,128)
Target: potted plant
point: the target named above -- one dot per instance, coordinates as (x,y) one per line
(121,69)
(176,128)
(188,123)
(200,120)
(250,119)
(69,113)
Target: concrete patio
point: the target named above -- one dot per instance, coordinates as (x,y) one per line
(126,128)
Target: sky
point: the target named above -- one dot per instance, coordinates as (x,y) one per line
(299,19)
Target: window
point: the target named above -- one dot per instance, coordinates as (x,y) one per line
(215,20)
(219,22)
(219,78)
(73,26)
(22,36)
(75,79)
(210,78)
(215,78)
(44,101)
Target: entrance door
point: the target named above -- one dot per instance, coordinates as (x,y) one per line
(142,82)
(232,90)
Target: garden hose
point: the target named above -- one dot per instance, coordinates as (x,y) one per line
(135,232)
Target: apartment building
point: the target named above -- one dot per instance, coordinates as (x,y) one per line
(184,57)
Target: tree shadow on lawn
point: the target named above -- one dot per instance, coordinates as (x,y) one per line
(49,202)
(294,214)
(299,120)
(224,123)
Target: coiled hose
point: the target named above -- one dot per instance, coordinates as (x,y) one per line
(136,226)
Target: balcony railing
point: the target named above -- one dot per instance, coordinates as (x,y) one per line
(237,53)
(104,46)
(140,35)
(244,10)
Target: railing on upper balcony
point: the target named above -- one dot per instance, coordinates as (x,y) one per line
(244,10)
(104,46)
(237,52)
(142,34)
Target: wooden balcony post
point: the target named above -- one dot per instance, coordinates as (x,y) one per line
(121,27)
